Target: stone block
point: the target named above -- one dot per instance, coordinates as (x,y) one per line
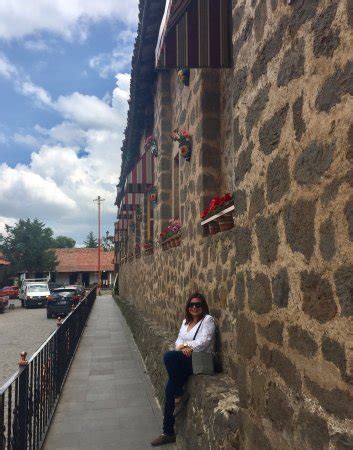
(242,383)
(292,66)
(240,203)
(348,212)
(326,40)
(335,401)
(298,121)
(318,301)
(256,109)
(240,290)
(257,201)
(243,244)
(313,431)
(278,179)
(237,138)
(273,332)
(312,164)
(279,409)
(258,382)
(267,238)
(302,12)
(343,441)
(344,287)
(259,293)
(239,84)
(270,131)
(238,14)
(269,50)
(246,344)
(207,183)
(283,366)
(327,240)
(244,164)
(349,153)
(302,341)
(254,436)
(260,20)
(334,352)
(335,87)
(210,156)
(299,220)
(243,37)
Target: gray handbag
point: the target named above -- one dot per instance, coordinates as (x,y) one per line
(202,362)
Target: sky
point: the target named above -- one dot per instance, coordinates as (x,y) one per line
(64,90)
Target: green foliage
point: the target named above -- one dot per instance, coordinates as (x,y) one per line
(63,242)
(27,245)
(91,241)
(107,244)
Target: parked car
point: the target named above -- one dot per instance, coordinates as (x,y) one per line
(35,294)
(54,285)
(4,303)
(9,291)
(26,282)
(62,299)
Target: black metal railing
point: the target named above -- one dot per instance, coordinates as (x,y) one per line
(29,398)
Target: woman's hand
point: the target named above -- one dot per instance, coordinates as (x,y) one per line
(180,347)
(187,351)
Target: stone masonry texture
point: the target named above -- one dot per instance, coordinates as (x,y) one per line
(280,283)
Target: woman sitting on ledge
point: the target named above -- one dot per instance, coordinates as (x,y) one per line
(197,334)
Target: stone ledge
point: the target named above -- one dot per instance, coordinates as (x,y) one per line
(211,419)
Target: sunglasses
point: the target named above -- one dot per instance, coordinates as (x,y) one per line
(195,305)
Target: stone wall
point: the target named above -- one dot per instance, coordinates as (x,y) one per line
(277,130)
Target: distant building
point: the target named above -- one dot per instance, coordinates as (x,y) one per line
(4,266)
(80,265)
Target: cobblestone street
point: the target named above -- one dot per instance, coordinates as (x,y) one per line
(21,330)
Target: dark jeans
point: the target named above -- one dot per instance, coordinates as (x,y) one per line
(179,368)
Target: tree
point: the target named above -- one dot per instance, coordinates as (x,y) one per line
(107,244)
(63,242)
(28,246)
(91,241)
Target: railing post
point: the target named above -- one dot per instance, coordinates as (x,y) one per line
(2,422)
(21,439)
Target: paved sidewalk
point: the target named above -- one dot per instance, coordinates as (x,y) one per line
(108,401)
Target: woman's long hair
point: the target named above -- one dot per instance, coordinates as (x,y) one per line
(204,306)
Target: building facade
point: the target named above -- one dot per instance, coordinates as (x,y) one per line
(80,266)
(275,129)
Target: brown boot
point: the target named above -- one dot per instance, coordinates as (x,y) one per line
(162,440)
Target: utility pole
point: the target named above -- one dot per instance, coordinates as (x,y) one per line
(99,201)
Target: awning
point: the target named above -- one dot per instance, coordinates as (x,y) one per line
(141,176)
(195,34)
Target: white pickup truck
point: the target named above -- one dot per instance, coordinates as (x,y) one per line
(34,292)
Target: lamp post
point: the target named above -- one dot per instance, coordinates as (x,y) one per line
(99,201)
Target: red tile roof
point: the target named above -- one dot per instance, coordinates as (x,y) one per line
(83,260)
(3,262)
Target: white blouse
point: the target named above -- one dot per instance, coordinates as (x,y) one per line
(205,339)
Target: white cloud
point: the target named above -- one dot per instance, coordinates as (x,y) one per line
(88,111)
(59,185)
(66,18)
(7,70)
(107,64)
(29,89)
(6,221)
(37,46)
(25,139)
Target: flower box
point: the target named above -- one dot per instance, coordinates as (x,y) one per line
(218,216)
(171,236)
